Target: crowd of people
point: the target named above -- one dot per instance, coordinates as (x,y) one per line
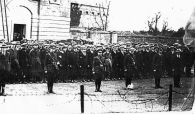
(35,62)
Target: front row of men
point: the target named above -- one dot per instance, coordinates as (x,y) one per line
(51,67)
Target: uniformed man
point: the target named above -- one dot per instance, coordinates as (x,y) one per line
(50,67)
(129,66)
(98,69)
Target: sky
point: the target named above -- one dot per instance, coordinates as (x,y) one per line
(129,15)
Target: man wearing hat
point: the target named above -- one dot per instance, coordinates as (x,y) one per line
(89,57)
(98,69)
(4,70)
(64,63)
(114,54)
(82,63)
(72,60)
(158,64)
(50,67)
(170,54)
(121,56)
(36,69)
(23,61)
(176,64)
(108,64)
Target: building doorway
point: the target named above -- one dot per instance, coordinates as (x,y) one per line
(19,32)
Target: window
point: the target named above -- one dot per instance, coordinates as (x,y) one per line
(54,1)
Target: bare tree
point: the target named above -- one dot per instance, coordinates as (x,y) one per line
(157,17)
(165,27)
(153,24)
(150,24)
(101,18)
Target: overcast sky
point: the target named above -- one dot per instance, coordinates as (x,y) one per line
(129,15)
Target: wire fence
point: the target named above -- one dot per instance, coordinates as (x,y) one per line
(121,101)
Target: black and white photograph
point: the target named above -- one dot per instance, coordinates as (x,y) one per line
(97,56)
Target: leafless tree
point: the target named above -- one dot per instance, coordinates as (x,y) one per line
(101,18)
(165,27)
(157,17)
(153,24)
(150,24)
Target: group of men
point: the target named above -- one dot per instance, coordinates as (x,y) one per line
(62,63)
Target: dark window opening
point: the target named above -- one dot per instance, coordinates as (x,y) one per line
(19,32)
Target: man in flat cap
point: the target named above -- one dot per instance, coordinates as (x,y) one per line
(176,64)
(82,62)
(4,69)
(23,61)
(121,56)
(89,58)
(158,64)
(72,61)
(115,71)
(36,69)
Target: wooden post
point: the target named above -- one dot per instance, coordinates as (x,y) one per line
(170,97)
(82,98)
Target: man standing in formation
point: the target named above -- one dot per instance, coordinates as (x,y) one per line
(4,70)
(129,66)
(98,70)
(177,68)
(158,67)
(50,67)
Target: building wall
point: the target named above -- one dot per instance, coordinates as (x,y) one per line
(91,15)
(52,23)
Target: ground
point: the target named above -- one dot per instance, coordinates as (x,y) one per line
(115,98)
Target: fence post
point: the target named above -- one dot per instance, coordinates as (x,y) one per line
(170,97)
(82,98)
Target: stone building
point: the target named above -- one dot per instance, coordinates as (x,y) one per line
(92,17)
(35,19)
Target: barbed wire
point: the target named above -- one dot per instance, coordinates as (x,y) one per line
(123,98)
(62,103)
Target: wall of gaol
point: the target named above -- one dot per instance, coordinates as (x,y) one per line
(38,19)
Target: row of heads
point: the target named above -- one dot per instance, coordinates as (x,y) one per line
(127,45)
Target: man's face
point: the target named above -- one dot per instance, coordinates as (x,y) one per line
(99,53)
(52,49)
(122,49)
(35,46)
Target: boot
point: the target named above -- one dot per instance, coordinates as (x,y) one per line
(3,91)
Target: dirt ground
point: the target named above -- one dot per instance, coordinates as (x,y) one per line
(115,98)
